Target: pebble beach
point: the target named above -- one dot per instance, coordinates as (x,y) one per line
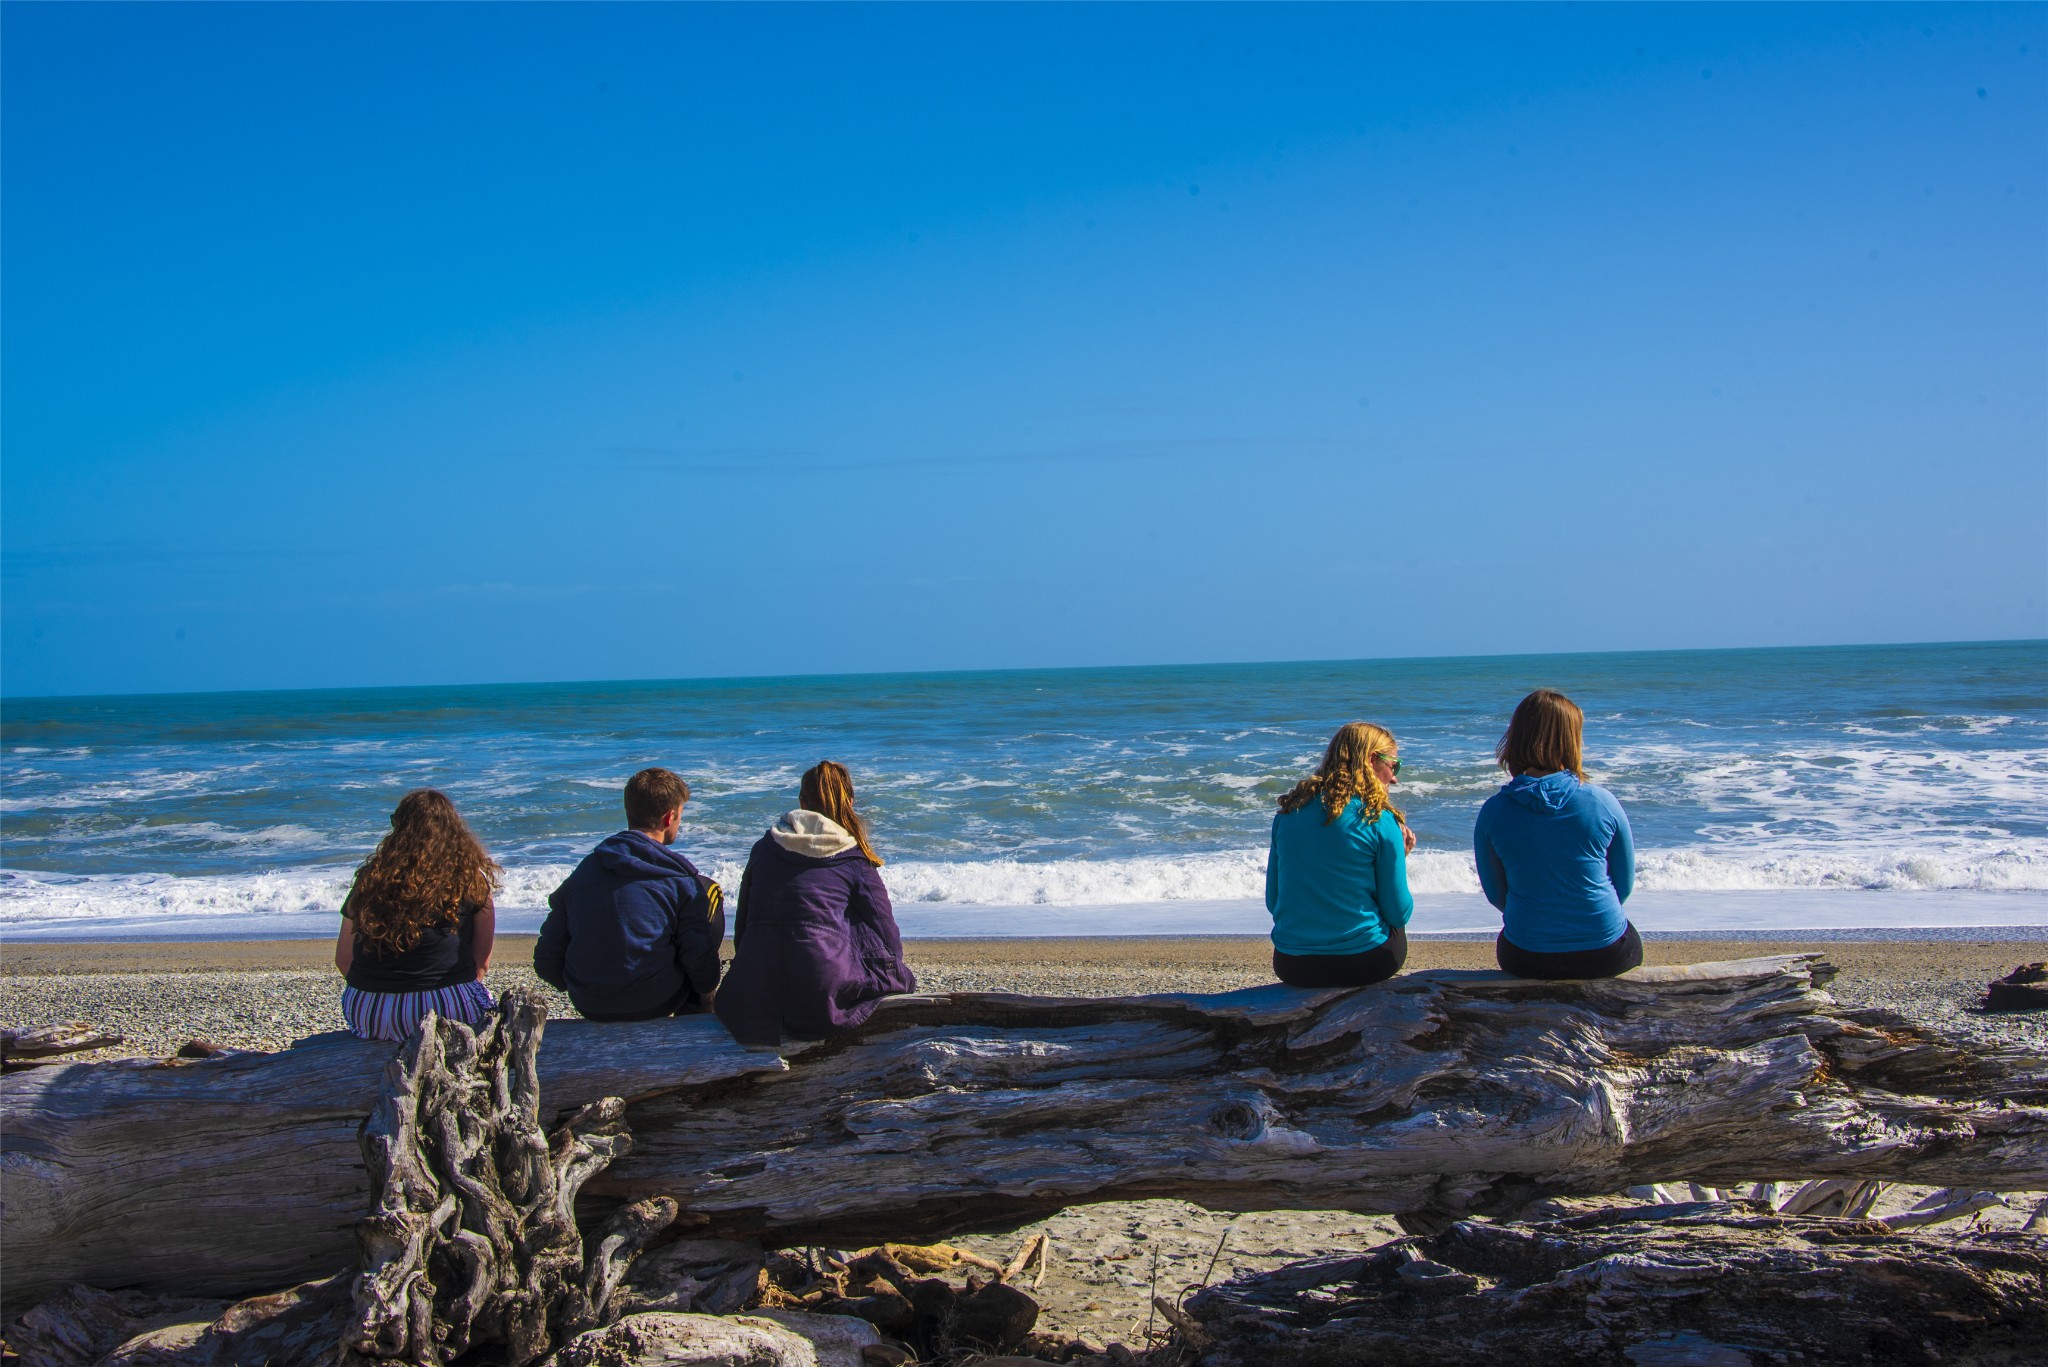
(264,994)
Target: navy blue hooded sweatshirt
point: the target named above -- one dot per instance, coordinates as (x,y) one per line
(633,932)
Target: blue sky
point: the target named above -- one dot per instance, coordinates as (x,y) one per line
(404,344)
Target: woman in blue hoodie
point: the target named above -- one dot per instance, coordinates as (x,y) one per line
(1554,852)
(815,947)
(1337,872)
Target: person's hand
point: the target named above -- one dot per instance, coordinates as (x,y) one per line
(1407,839)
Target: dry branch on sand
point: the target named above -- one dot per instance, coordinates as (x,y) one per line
(1710,1284)
(37,1046)
(1431,1097)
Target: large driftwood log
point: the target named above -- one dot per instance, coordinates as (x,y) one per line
(1708,1285)
(1431,1096)
(471,1252)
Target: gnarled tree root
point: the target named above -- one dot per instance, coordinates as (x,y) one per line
(472,1236)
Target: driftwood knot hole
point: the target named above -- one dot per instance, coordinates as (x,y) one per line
(1238,1120)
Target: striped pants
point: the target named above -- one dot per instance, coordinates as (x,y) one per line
(396,1015)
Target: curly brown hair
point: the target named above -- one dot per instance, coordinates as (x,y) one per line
(423,874)
(1346,773)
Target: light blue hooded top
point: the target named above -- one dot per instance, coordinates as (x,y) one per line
(1335,888)
(1556,857)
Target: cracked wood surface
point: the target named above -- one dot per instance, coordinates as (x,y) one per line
(1430,1096)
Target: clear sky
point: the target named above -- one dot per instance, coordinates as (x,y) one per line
(407,344)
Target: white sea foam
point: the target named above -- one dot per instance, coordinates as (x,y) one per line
(305,900)
(145,786)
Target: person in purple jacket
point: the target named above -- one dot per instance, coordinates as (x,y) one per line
(814,938)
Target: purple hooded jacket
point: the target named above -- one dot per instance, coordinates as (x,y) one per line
(814,939)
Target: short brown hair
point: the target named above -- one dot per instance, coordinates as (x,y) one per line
(1546,732)
(651,795)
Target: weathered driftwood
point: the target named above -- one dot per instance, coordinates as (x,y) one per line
(32,1047)
(892,1288)
(81,1327)
(1941,1206)
(1697,1284)
(472,1237)
(2023,989)
(472,1251)
(772,1338)
(1430,1096)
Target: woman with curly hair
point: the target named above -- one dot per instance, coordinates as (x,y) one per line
(1337,873)
(417,926)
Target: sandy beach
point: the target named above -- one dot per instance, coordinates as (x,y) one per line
(1108,1258)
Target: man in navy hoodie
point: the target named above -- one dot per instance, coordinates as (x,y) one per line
(633,933)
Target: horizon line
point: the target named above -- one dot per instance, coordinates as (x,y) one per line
(6,697)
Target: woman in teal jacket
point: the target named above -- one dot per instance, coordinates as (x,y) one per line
(1337,874)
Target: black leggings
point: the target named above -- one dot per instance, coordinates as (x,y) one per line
(1605,962)
(1376,965)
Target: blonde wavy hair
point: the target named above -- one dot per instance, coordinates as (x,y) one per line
(424,873)
(1346,773)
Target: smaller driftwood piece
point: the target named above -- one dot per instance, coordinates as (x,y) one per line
(44,1043)
(2023,989)
(1708,1284)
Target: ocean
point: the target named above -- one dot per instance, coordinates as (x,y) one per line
(1769,790)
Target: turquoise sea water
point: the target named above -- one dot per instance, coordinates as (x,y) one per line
(1892,783)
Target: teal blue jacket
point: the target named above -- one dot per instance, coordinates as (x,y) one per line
(1335,888)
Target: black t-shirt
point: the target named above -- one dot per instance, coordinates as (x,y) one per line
(441,958)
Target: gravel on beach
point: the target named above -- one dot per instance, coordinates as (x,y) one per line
(264,994)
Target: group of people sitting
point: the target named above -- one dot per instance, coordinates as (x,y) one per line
(634,932)
(1554,853)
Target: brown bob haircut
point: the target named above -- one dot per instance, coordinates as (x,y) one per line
(1547,732)
(651,795)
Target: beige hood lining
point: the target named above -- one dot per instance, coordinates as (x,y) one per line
(808,833)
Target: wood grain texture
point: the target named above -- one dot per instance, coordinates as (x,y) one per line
(471,1242)
(1707,1285)
(1430,1096)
